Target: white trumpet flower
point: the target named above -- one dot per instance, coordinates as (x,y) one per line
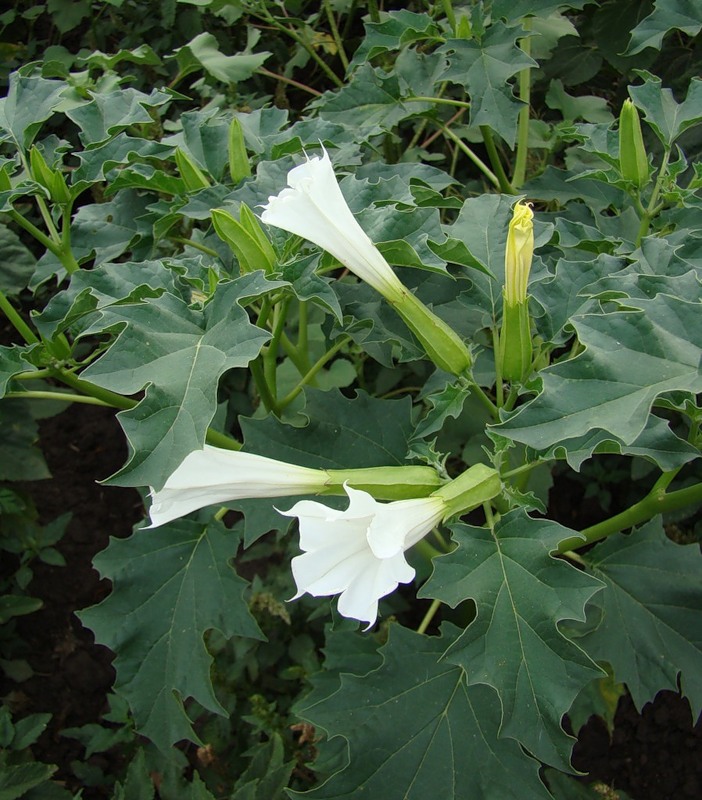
(313,207)
(359,553)
(214,476)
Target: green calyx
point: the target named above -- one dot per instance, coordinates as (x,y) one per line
(385,483)
(475,486)
(440,342)
(516,349)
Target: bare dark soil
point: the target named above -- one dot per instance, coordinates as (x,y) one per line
(655,755)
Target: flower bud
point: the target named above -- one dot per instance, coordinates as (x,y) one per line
(515,348)
(193,177)
(246,239)
(52,180)
(633,161)
(239,166)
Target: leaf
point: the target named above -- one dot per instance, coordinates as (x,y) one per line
(630,358)
(668,15)
(18,262)
(651,630)
(111,113)
(372,101)
(416,730)
(177,354)
(443,403)
(20,778)
(17,606)
(170,586)
(203,52)
(267,774)
(514,645)
(396,29)
(516,10)
(662,112)
(20,458)
(657,443)
(588,107)
(29,102)
(484,69)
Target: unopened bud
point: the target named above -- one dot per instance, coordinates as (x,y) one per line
(239,166)
(193,177)
(633,161)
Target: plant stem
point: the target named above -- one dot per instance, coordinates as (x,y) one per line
(62,396)
(657,501)
(303,86)
(479,163)
(335,33)
(190,243)
(485,400)
(523,126)
(499,388)
(314,369)
(433,608)
(652,209)
(32,229)
(445,101)
(258,375)
(450,15)
(295,36)
(373,11)
(19,324)
(503,181)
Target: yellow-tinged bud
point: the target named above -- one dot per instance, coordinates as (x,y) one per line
(519,253)
(239,166)
(193,177)
(246,239)
(515,348)
(633,161)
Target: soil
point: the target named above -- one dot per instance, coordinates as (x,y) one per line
(652,755)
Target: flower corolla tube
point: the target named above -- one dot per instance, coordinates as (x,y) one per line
(313,207)
(214,476)
(359,553)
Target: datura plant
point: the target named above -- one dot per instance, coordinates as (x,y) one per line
(369,359)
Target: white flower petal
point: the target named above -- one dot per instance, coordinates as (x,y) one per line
(213,476)
(314,207)
(359,553)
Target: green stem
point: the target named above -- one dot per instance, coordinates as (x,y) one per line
(523,125)
(499,389)
(38,374)
(652,209)
(303,86)
(433,608)
(479,163)
(190,243)
(32,229)
(445,101)
(450,15)
(335,34)
(257,373)
(373,11)
(19,324)
(67,258)
(62,396)
(295,36)
(504,184)
(485,400)
(657,501)
(313,371)
(105,395)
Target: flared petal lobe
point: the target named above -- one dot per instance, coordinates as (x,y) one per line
(359,553)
